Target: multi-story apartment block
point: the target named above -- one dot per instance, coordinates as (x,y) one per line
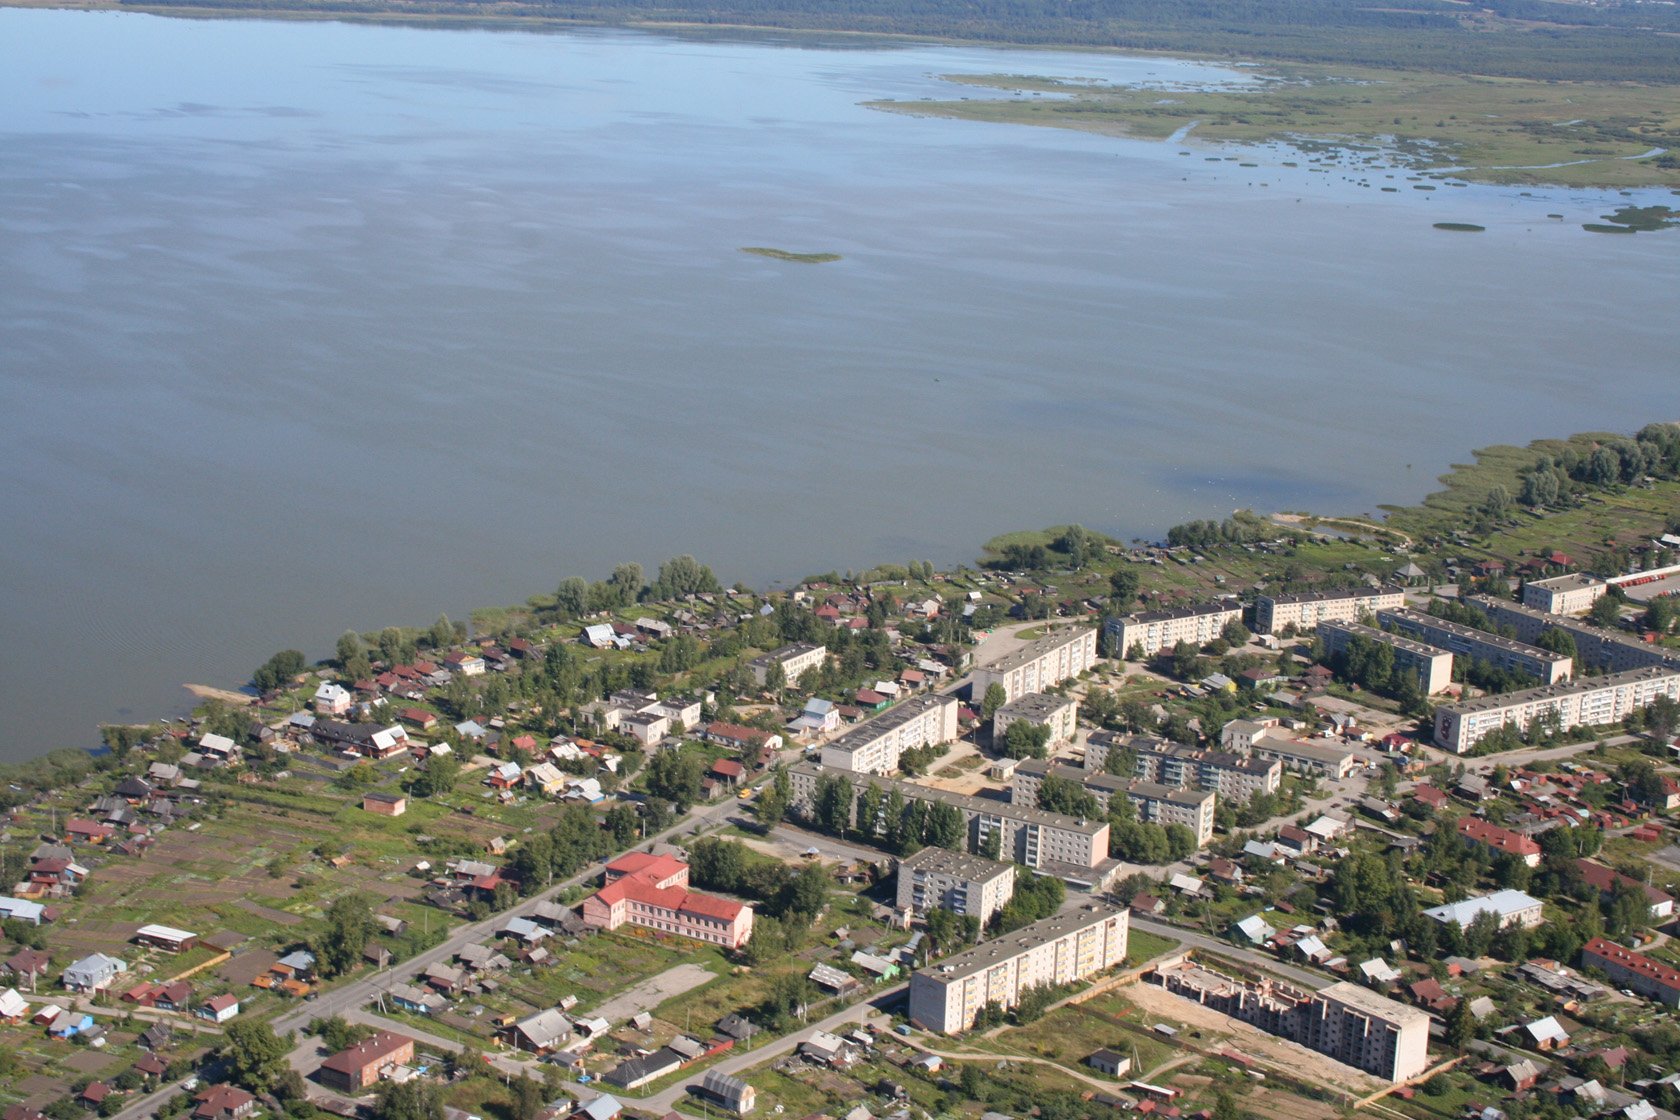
(1059,713)
(1155,803)
(874,746)
(1026,835)
(1478,645)
(1432,666)
(1601,649)
(1571,594)
(796,660)
(1304,612)
(1043,664)
(946,997)
(1343,1021)
(936,878)
(1586,702)
(1232,777)
(1627,969)
(1154,631)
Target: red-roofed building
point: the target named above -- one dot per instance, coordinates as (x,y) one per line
(91,831)
(728,770)
(1605,879)
(223,1102)
(662,871)
(1478,831)
(1633,970)
(740,737)
(652,892)
(1430,797)
(419,717)
(367,1061)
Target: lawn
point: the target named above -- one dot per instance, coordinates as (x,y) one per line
(1142,946)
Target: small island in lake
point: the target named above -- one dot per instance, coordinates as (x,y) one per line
(784,255)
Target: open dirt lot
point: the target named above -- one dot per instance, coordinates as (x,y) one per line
(1251,1041)
(652,992)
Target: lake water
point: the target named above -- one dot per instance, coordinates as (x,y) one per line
(308,326)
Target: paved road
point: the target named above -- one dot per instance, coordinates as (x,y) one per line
(1199,940)
(358,993)
(1487,762)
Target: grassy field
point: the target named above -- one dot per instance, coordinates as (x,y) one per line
(1377,125)
(1142,947)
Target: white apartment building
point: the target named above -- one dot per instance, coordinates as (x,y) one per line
(1059,713)
(796,660)
(1154,631)
(936,878)
(946,997)
(1606,650)
(1478,645)
(1571,594)
(1026,835)
(1274,612)
(874,746)
(1155,803)
(1433,666)
(1586,702)
(1232,777)
(1043,664)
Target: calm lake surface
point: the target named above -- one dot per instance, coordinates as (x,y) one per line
(310,326)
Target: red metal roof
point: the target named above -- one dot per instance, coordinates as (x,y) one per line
(1499,839)
(1652,970)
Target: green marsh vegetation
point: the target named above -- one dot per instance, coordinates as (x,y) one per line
(785,255)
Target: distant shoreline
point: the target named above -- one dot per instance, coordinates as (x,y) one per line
(1404,529)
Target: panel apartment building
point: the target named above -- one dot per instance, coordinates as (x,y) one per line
(936,878)
(1606,650)
(1478,645)
(796,660)
(1232,777)
(1586,702)
(1154,631)
(1304,612)
(1026,835)
(1432,666)
(874,746)
(946,997)
(1571,594)
(1041,665)
(1059,713)
(1156,803)
(1350,1024)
